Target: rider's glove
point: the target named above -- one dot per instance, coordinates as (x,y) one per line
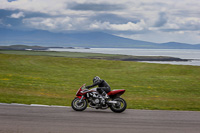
(89,86)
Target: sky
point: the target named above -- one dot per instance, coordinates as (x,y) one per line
(157,21)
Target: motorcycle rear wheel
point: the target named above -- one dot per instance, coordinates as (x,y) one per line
(120,106)
(79,106)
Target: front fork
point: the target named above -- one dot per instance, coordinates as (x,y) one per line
(81,99)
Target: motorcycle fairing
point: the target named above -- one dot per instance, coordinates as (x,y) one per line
(116,92)
(80,97)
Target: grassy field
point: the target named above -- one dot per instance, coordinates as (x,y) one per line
(32,79)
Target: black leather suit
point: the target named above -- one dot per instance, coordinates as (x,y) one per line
(102,86)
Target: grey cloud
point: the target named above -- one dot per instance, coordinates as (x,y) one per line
(96,7)
(162,19)
(11,0)
(36,14)
(189,28)
(160,4)
(186,13)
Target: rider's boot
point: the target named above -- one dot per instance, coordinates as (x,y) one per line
(104,98)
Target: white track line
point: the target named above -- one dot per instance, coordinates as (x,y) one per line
(35,105)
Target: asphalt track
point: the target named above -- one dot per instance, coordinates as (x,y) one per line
(40,119)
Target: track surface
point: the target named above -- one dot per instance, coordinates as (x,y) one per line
(34,119)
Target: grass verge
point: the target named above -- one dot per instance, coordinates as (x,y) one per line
(51,80)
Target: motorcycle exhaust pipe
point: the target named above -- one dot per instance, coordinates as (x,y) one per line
(113,102)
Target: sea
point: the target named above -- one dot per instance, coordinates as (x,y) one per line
(192,54)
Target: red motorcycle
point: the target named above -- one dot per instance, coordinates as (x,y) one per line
(94,99)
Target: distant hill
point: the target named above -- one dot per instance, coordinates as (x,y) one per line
(82,39)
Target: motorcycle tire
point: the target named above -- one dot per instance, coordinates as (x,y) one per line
(120,106)
(79,106)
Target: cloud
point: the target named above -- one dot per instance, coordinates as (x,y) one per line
(42,6)
(127,17)
(162,19)
(96,7)
(182,24)
(56,24)
(119,27)
(112,18)
(17,15)
(129,26)
(11,0)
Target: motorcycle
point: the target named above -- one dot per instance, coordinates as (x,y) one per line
(85,96)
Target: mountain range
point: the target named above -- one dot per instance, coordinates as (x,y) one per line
(81,39)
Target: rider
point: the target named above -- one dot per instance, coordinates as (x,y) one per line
(103,87)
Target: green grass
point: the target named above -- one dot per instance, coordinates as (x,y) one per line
(31,79)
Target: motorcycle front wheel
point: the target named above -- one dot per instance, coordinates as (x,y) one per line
(120,106)
(79,106)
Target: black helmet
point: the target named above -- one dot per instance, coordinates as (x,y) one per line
(96,78)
